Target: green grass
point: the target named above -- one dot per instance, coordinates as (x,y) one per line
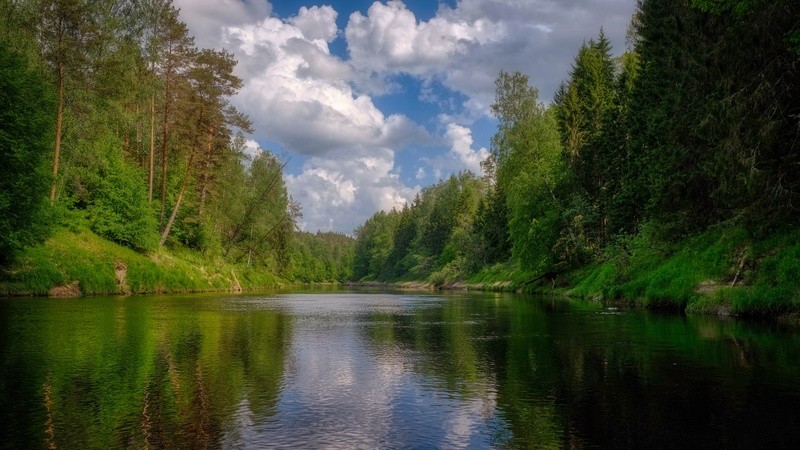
(772,279)
(81,256)
(593,280)
(696,275)
(661,276)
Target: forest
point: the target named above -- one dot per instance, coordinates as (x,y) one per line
(668,175)
(120,150)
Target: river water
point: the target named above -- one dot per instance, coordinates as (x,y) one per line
(388,370)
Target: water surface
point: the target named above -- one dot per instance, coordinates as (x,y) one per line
(387,370)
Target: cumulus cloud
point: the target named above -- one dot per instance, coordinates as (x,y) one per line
(251,148)
(207,18)
(461,155)
(317,22)
(389,38)
(465,47)
(296,92)
(340,193)
(461,148)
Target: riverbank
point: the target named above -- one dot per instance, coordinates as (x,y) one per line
(73,263)
(723,272)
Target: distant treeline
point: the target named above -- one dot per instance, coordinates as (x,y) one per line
(112,119)
(695,126)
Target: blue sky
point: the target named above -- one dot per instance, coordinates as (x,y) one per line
(374,100)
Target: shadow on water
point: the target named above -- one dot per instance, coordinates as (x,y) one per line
(370,369)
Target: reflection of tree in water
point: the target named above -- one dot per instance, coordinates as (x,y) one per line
(535,373)
(145,378)
(639,380)
(577,375)
(445,342)
(450,346)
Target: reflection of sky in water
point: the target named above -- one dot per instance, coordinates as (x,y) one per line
(341,392)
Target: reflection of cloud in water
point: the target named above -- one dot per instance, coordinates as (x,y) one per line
(340,392)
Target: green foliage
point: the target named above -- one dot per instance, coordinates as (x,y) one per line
(436,233)
(25,137)
(120,211)
(253,212)
(719,271)
(712,148)
(136,107)
(530,168)
(374,243)
(659,176)
(771,273)
(321,257)
(587,107)
(493,244)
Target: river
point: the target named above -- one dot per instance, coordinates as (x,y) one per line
(371,369)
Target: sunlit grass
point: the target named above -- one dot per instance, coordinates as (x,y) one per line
(80,256)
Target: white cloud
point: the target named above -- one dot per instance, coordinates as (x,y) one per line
(317,22)
(296,92)
(461,148)
(320,106)
(207,18)
(251,148)
(461,155)
(389,38)
(464,48)
(341,193)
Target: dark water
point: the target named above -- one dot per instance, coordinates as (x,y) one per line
(378,370)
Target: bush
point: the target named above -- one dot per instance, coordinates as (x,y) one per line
(120,210)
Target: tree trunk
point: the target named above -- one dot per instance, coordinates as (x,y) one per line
(59,123)
(152,145)
(164,141)
(177,206)
(204,177)
(164,136)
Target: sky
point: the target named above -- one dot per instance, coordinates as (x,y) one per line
(371,101)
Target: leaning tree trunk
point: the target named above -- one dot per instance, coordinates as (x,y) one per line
(177,206)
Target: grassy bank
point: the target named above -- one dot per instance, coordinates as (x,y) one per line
(73,263)
(718,272)
(722,271)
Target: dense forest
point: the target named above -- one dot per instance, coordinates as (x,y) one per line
(669,174)
(115,127)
